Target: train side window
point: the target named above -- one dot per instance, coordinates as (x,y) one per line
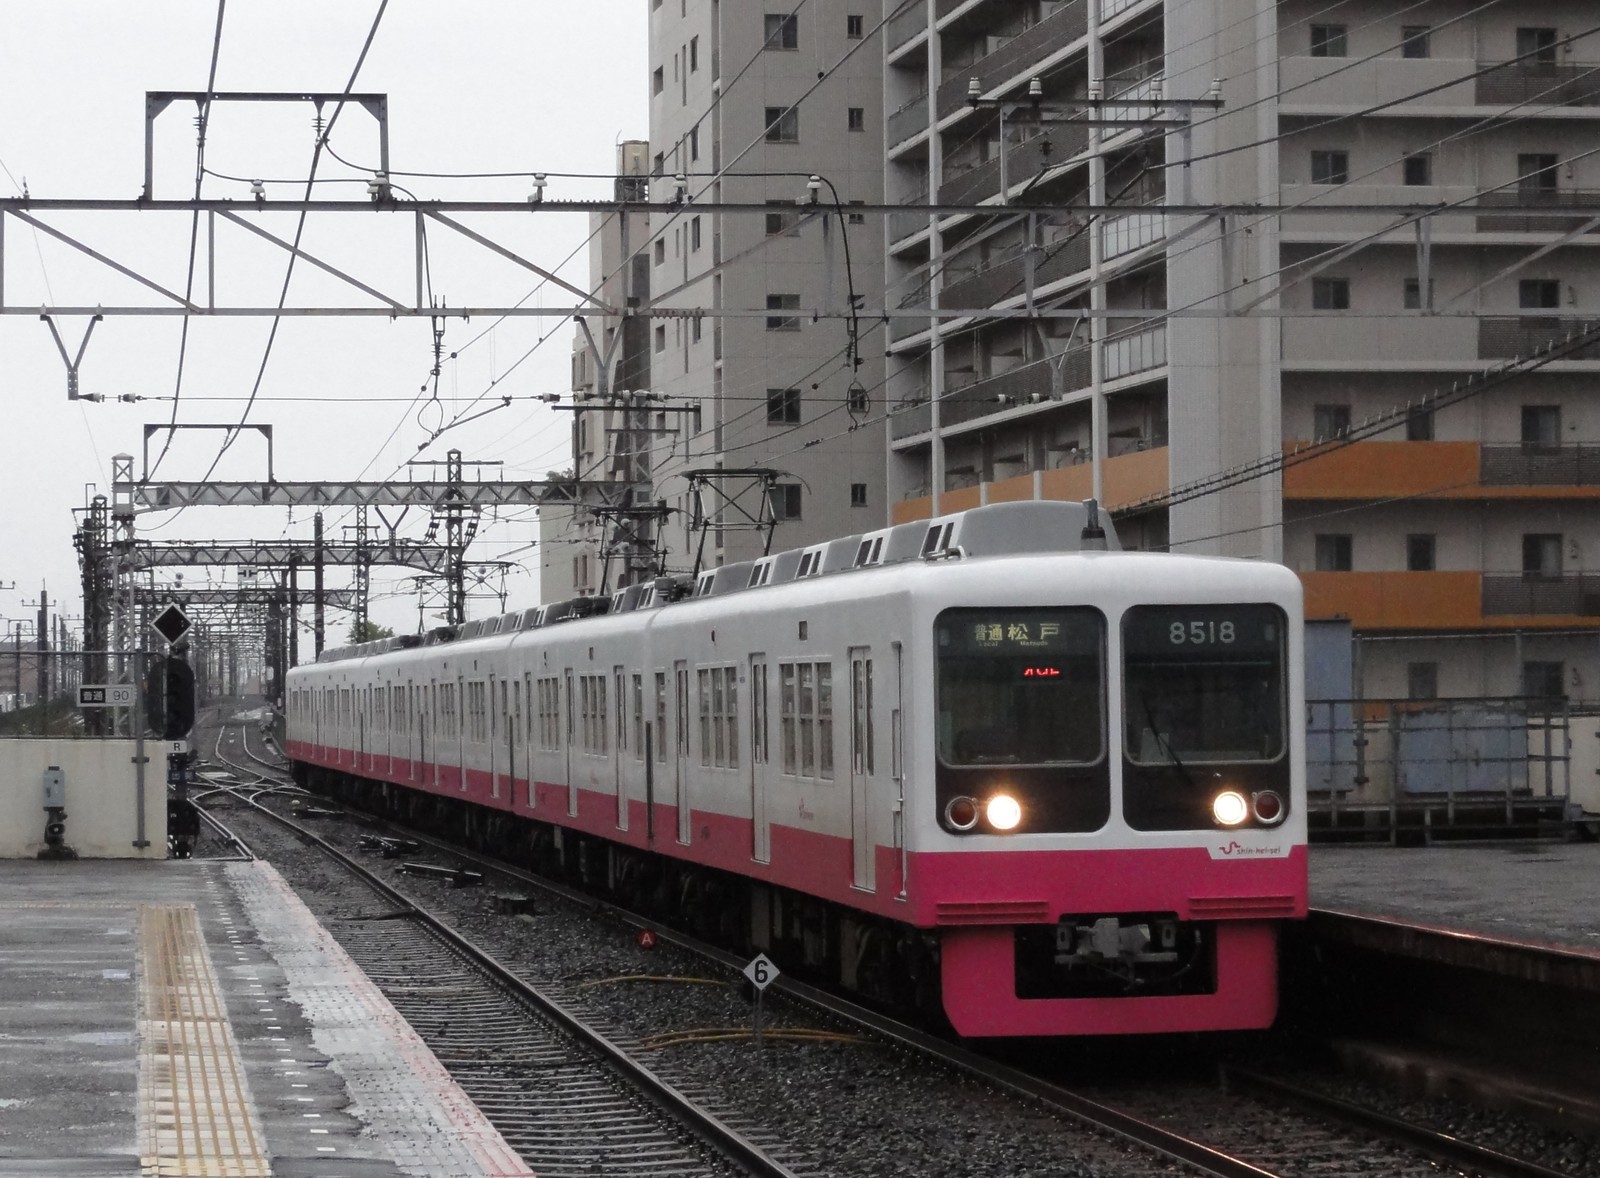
(661,715)
(638,716)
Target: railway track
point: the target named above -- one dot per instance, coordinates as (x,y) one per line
(1289,1130)
(568,1099)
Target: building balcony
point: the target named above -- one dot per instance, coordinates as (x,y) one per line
(1125,479)
(1536,198)
(1022,163)
(1032,383)
(1540,84)
(1130,351)
(1444,470)
(904,26)
(1447,601)
(1522,335)
(1007,278)
(1317,84)
(909,120)
(1330,342)
(1029,47)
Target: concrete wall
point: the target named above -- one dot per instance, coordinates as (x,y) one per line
(102,811)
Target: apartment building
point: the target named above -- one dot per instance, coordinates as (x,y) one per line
(1172,344)
(582,552)
(748,103)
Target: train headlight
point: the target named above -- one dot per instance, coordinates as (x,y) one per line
(1230,807)
(961,813)
(1003,812)
(1268,805)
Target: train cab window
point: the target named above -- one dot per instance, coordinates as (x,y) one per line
(1204,698)
(1020,686)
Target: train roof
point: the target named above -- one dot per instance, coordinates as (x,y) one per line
(1022,528)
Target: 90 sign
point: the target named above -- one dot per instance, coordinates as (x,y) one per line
(1207,633)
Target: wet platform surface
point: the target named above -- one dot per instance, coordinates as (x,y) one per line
(192,1018)
(1533,893)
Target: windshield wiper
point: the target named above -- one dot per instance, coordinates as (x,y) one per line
(1150,718)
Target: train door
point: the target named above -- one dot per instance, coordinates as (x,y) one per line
(572,728)
(619,746)
(862,769)
(408,700)
(760,761)
(492,725)
(529,740)
(897,768)
(680,755)
(433,731)
(512,725)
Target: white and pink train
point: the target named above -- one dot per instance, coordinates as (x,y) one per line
(985,761)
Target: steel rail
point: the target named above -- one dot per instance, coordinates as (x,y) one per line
(733,1146)
(1446,1148)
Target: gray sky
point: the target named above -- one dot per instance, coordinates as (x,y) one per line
(486,86)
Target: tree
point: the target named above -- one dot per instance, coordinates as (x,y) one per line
(369,632)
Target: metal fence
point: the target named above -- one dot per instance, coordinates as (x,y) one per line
(1440,762)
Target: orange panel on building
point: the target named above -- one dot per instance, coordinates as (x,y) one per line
(1128,478)
(1381,469)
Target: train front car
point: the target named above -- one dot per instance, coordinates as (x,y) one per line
(1116,826)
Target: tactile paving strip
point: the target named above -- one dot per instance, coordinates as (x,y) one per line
(196,1119)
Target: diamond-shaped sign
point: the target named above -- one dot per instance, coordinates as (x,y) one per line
(171,623)
(762,972)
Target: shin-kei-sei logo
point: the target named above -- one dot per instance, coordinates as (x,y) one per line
(807,814)
(1234,849)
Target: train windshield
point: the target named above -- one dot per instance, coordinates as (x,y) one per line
(1020,686)
(1203,683)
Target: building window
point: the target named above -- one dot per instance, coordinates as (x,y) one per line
(661,337)
(1541,555)
(1541,427)
(1330,421)
(783,406)
(659,165)
(694,142)
(694,233)
(783,31)
(784,220)
(658,80)
(1334,552)
(1414,40)
(1330,294)
(1327,41)
(694,329)
(661,251)
(1412,299)
(1419,425)
(783,302)
(857,400)
(1536,47)
(1330,167)
(785,499)
(856,118)
(783,124)
(1422,680)
(854,27)
(1538,294)
(694,54)
(858,218)
(858,494)
(1541,680)
(1420,552)
(1417,170)
(1536,172)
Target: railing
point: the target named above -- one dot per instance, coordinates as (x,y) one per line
(905,25)
(1574,594)
(1129,354)
(1111,8)
(1138,91)
(899,326)
(1007,278)
(1065,25)
(903,225)
(1023,162)
(1539,83)
(907,121)
(1531,464)
(1033,382)
(1124,235)
(1501,338)
(1535,198)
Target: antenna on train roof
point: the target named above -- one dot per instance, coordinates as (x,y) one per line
(1093,536)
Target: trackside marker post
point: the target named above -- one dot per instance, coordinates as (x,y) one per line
(762,973)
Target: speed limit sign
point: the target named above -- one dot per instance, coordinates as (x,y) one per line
(761,972)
